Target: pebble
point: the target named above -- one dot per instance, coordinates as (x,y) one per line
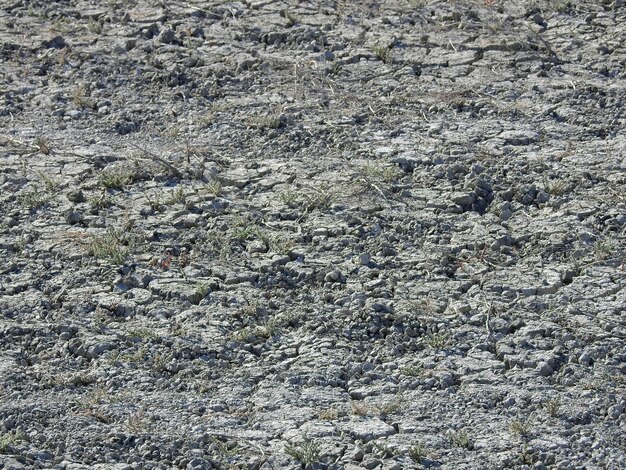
(544,369)
(615,411)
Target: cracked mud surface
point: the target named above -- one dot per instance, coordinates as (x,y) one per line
(279,234)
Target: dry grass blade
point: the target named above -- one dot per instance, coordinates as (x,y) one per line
(158,159)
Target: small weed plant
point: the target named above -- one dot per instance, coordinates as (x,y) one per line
(307,452)
(114,246)
(417,453)
(115,178)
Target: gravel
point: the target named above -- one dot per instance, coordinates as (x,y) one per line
(312,235)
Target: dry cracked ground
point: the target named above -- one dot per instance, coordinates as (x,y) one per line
(326,235)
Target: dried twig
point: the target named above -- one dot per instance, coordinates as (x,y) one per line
(159,160)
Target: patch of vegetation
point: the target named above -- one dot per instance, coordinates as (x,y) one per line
(412,371)
(214,188)
(520,428)
(8,440)
(384,451)
(383,53)
(35,199)
(265,121)
(268,329)
(386,174)
(115,178)
(292,19)
(50,184)
(202,290)
(552,407)
(245,232)
(320,197)
(245,335)
(138,422)
(278,243)
(20,244)
(79,97)
(307,452)
(154,201)
(143,333)
(391,406)
(335,68)
(227,450)
(178,196)
(555,187)
(42,144)
(360,409)
(115,245)
(526,457)
(437,340)
(100,202)
(289,198)
(95,26)
(605,249)
(460,439)
(417,453)
(330,414)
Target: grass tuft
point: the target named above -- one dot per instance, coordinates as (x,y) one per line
(417,452)
(115,246)
(8,440)
(383,53)
(115,178)
(308,452)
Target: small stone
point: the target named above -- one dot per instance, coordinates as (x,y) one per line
(57,42)
(463,199)
(371,464)
(364,259)
(97,349)
(519,137)
(544,369)
(73,217)
(257,246)
(446,380)
(319,232)
(384,151)
(509,402)
(76,196)
(357,455)
(121,287)
(332,276)
(585,359)
(216,407)
(167,36)
(615,411)
(506,214)
(198,464)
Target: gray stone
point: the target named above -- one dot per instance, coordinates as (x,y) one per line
(544,369)
(368,429)
(463,199)
(167,36)
(615,411)
(371,463)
